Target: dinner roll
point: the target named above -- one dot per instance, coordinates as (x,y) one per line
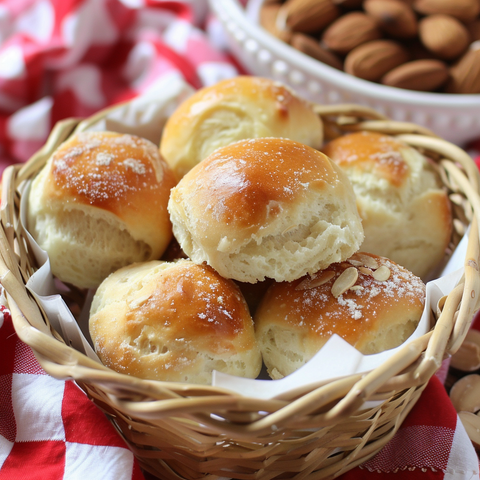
(406,214)
(370,301)
(100,203)
(236,109)
(174,322)
(266,208)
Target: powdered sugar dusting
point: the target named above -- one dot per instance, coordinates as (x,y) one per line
(250,181)
(105,166)
(363,301)
(104,158)
(354,309)
(89,140)
(392,160)
(210,304)
(135,165)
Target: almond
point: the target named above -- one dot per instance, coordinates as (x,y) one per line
(344,281)
(349,31)
(268,20)
(444,35)
(307,15)
(312,48)
(316,280)
(465,74)
(422,75)
(382,274)
(464,10)
(364,259)
(467,357)
(465,394)
(394,17)
(372,60)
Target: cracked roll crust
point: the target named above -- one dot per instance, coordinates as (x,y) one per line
(406,214)
(173,322)
(266,208)
(370,301)
(100,203)
(236,109)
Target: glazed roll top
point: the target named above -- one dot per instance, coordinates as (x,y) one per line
(266,208)
(370,301)
(100,203)
(174,322)
(406,213)
(236,109)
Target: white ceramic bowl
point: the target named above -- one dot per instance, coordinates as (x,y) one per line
(454,117)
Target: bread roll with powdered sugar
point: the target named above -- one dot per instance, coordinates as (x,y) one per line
(406,213)
(100,203)
(266,208)
(370,301)
(173,321)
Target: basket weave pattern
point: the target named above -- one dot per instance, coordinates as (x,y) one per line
(188,431)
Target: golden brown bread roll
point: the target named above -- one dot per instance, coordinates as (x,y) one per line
(406,215)
(100,203)
(236,109)
(369,301)
(174,322)
(266,208)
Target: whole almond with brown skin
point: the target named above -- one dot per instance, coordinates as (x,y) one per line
(312,48)
(444,35)
(350,31)
(465,74)
(372,60)
(464,10)
(394,17)
(421,75)
(307,16)
(268,20)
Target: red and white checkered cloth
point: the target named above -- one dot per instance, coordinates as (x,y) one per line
(49,429)
(71,58)
(64,58)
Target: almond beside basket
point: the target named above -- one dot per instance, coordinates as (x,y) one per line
(188,431)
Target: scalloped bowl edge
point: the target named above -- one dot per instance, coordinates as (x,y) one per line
(455,118)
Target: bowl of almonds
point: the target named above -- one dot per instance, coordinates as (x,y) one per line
(412,60)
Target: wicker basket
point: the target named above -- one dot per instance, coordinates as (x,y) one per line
(191,431)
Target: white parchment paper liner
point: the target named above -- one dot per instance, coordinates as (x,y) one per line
(145,116)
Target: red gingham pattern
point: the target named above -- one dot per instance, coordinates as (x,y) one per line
(419,446)
(431,444)
(49,429)
(71,58)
